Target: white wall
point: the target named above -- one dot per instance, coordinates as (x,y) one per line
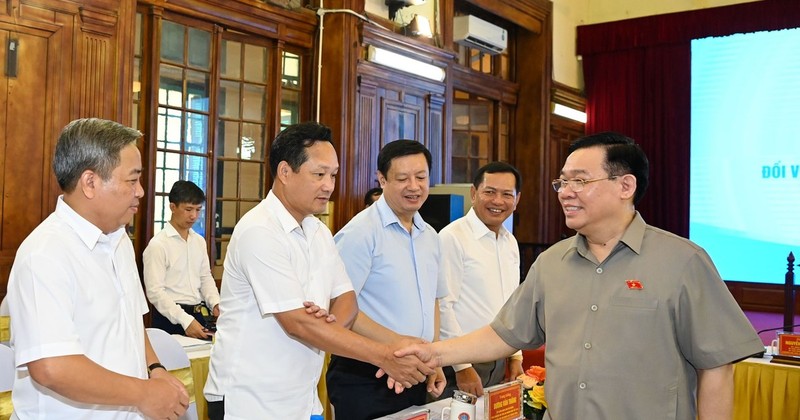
(568,14)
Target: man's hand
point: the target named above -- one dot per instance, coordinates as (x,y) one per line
(313,309)
(196,330)
(165,396)
(215,311)
(468,380)
(514,369)
(436,383)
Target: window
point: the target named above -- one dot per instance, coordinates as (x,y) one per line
(214,111)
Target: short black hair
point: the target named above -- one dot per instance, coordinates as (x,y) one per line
(186,192)
(368,196)
(497,168)
(623,156)
(290,144)
(400,148)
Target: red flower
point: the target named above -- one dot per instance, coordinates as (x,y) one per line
(536,372)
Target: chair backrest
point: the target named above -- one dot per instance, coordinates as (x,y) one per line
(172,355)
(7,370)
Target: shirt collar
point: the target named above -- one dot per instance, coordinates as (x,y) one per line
(388,215)
(632,238)
(479,229)
(88,233)
(288,223)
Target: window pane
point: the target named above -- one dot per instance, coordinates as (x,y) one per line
(460,117)
(460,143)
(255,63)
(291,70)
(252,141)
(161,213)
(254,103)
(172,41)
(228,216)
(169,129)
(246,206)
(228,178)
(250,180)
(479,117)
(196,170)
(290,107)
(170,86)
(197,87)
(231,61)
(167,170)
(229,99)
(228,139)
(199,48)
(196,133)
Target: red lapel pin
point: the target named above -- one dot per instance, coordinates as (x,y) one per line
(634,284)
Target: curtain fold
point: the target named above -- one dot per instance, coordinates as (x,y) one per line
(637,80)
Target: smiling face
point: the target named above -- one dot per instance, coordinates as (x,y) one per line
(307,191)
(495,199)
(599,203)
(116,199)
(405,185)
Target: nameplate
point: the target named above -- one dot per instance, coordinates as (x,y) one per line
(503,402)
(789,344)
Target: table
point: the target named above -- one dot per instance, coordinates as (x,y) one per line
(764,390)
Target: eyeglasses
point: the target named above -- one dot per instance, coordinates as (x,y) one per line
(576,184)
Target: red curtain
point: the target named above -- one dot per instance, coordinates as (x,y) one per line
(637,79)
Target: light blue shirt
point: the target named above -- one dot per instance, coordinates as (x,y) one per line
(394,272)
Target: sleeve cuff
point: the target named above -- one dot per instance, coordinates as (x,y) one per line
(459,368)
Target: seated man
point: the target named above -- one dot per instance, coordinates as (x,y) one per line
(177,275)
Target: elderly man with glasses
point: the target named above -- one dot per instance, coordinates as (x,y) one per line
(637,321)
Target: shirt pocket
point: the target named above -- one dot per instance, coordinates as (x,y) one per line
(634,303)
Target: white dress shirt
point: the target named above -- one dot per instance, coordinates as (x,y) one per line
(75,291)
(480,270)
(273,265)
(177,271)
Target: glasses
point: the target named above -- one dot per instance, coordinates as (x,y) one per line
(576,184)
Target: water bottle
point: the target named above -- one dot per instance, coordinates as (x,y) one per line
(317,417)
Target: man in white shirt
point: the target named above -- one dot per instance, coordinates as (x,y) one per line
(74,294)
(268,354)
(480,270)
(177,275)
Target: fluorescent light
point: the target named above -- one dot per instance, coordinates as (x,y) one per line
(403,63)
(570,113)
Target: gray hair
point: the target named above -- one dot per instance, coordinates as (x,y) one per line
(90,144)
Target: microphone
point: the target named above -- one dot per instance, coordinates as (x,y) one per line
(778,328)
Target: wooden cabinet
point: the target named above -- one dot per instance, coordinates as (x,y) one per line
(68,64)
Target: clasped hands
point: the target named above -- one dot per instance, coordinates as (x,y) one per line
(402,371)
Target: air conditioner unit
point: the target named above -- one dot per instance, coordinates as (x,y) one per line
(473,32)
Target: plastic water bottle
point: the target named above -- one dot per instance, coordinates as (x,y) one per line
(317,417)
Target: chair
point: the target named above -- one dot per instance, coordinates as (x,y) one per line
(172,355)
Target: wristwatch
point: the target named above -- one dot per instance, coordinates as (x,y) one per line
(153,367)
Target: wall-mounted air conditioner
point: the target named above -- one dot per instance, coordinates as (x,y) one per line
(477,33)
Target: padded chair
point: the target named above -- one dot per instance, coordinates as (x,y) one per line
(172,355)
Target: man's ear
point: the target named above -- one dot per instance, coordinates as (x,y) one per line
(628,182)
(88,183)
(381,179)
(283,171)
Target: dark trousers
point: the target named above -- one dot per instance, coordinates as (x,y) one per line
(357,395)
(161,322)
(216,410)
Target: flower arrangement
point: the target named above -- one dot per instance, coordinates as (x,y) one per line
(534,403)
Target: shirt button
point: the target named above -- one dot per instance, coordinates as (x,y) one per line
(587,346)
(593,308)
(599,270)
(582,385)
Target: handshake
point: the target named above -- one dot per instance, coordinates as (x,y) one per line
(405,361)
